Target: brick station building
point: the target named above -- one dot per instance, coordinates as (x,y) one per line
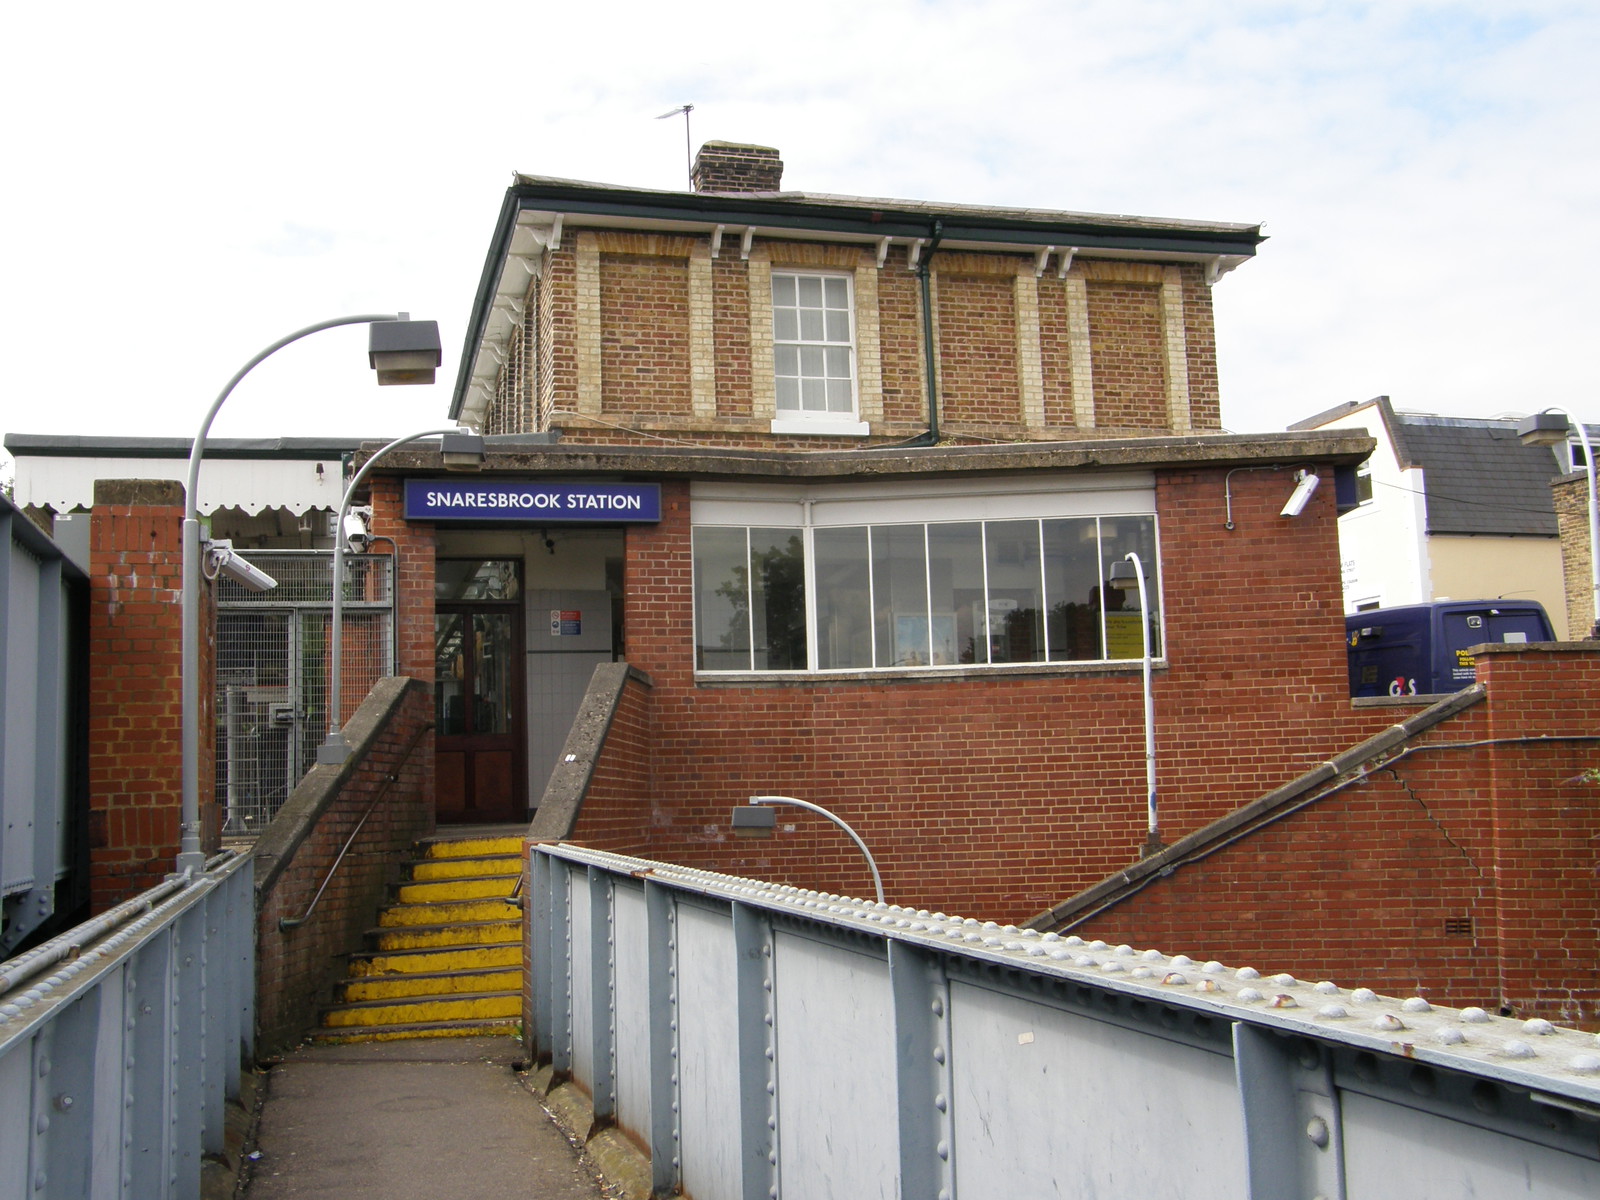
(888,453)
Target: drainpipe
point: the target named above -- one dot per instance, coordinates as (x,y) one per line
(931,437)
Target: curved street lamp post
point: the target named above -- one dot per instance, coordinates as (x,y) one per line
(402,351)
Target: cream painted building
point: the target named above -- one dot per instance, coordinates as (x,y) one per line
(1451,508)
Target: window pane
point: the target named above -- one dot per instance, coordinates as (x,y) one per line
(844,598)
(955,582)
(783,290)
(900,595)
(813,362)
(837,361)
(778,599)
(786,360)
(721,600)
(836,291)
(788,393)
(1016,622)
(813,395)
(1118,535)
(810,290)
(811,324)
(841,396)
(785,324)
(838,325)
(1072,588)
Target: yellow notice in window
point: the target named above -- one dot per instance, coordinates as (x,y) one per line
(1124,637)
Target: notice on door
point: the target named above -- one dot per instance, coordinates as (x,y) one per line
(566,622)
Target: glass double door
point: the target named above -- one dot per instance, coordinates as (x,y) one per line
(478,747)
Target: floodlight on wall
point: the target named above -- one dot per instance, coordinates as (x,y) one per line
(222,559)
(1305,487)
(462,451)
(404,351)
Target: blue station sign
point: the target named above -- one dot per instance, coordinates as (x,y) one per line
(538,502)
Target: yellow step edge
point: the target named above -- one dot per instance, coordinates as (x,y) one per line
(466,847)
(490,933)
(464,1008)
(426,891)
(473,957)
(352,1034)
(448,913)
(461,868)
(394,987)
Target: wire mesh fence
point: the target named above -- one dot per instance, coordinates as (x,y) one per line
(272,671)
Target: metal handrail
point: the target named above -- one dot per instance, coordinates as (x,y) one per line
(287,923)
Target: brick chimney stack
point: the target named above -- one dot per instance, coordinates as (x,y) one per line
(727,167)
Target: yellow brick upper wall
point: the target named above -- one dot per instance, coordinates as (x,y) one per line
(648,334)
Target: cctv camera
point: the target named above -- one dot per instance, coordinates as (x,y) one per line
(225,560)
(357,534)
(1305,484)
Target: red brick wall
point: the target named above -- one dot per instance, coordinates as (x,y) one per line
(999,795)
(644,339)
(978,380)
(1200,337)
(414,577)
(295,967)
(616,806)
(1498,840)
(1126,348)
(135,692)
(905,388)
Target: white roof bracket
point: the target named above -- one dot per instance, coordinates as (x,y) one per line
(914,253)
(883,251)
(716,240)
(1064,263)
(744,242)
(1041,260)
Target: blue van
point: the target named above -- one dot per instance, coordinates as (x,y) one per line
(1415,649)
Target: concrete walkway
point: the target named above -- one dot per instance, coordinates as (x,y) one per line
(409,1120)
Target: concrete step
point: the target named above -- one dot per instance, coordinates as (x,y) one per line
(470,887)
(449,912)
(436,937)
(405,1010)
(429,961)
(503,865)
(442,983)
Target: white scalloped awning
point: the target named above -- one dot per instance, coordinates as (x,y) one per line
(252,484)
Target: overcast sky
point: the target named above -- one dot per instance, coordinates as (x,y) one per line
(186,183)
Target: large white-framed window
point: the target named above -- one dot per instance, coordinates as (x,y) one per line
(814,352)
(848,583)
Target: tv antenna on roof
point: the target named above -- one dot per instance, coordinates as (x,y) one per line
(688,160)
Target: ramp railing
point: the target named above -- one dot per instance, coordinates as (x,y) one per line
(760,1041)
(122,1039)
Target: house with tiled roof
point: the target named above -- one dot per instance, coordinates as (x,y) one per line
(1450,508)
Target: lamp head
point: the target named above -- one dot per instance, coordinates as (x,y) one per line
(462,451)
(1544,429)
(404,351)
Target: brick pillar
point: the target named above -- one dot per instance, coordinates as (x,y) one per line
(415,555)
(1571,495)
(1546,828)
(135,689)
